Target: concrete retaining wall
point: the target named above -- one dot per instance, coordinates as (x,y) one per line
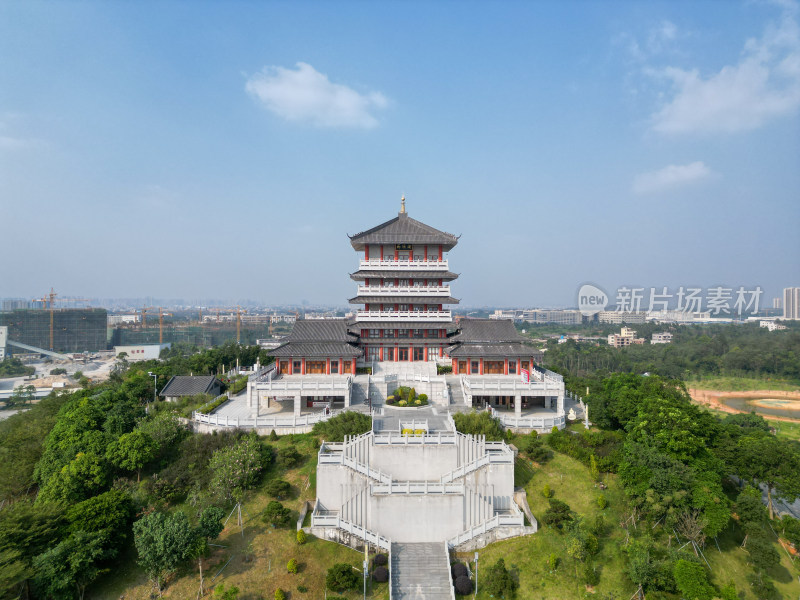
(494,535)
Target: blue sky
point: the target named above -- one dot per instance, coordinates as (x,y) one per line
(210,149)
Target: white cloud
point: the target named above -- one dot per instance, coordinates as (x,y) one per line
(670,177)
(763,85)
(306,95)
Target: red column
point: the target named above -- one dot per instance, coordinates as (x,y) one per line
(396,354)
(366,252)
(396,253)
(440,252)
(426,252)
(381,251)
(327,366)
(380,353)
(455,366)
(303,367)
(426,353)
(353,366)
(410,353)
(480,367)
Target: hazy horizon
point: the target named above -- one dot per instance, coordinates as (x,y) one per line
(225,150)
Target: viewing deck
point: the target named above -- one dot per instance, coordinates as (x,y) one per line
(411,265)
(404,290)
(437,316)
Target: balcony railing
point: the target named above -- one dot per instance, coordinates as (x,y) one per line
(404,290)
(404,315)
(427,265)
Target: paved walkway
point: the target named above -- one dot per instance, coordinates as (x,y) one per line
(390,420)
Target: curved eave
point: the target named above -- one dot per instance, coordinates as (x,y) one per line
(404,300)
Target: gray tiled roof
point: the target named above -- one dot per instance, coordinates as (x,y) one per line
(487,331)
(443,275)
(332,349)
(492,350)
(410,299)
(186,385)
(403,230)
(320,330)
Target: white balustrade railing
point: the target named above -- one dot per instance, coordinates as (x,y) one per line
(404,290)
(418,488)
(404,315)
(290,384)
(541,422)
(376,263)
(392,438)
(492,457)
(321,519)
(511,519)
(287,421)
(508,384)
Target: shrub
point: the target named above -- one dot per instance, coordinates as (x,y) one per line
(423,398)
(558,514)
(273,436)
(302,589)
(58,371)
(279,595)
(444,369)
(291,566)
(347,423)
(463,585)
(301,537)
(288,458)
(231,593)
(402,403)
(379,560)
(479,423)
(341,577)
(602,501)
(552,561)
(277,515)
(590,574)
(498,581)
(380,574)
(546,491)
(278,488)
(540,454)
(458,569)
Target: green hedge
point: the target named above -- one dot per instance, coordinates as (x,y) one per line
(207,408)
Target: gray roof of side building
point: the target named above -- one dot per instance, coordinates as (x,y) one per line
(187,385)
(367,274)
(487,331)
(316,349)
(403,230)
(493,350)
(319,337)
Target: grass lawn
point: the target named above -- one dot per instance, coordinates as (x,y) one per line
(570,482)
(742,384)
(258,556)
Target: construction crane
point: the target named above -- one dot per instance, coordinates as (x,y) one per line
(47,302)
(144,310)
(161,315)
(239,312)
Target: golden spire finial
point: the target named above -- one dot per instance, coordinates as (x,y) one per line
(403,204)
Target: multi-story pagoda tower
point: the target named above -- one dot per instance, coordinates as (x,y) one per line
(404,289)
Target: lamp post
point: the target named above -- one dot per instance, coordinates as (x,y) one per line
(476,575)
(155,388)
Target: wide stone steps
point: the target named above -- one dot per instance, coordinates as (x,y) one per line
(420,572)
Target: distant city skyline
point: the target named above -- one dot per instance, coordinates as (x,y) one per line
(224,150)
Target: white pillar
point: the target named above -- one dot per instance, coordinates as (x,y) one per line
(518,405)
(297,408)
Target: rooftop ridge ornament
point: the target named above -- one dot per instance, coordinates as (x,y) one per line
(403,205)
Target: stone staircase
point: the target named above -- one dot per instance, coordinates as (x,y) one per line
(454,387)
(420,572)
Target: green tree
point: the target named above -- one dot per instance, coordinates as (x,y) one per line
(277,515)
(132,451)
(236,468)
(163,542)
(774,462)
(593,468)
(301,537)
(342,577)
(21,396)
(208,528)
(83,477)
(498,581)
(346,423)
(69,567)
(291,566)
(109,513)
(692,581)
